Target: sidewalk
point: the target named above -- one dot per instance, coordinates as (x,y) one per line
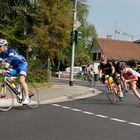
(62,92)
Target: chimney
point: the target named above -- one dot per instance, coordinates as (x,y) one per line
(109,36)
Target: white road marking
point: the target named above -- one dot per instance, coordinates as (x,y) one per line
(136,124)
(65,107)
(56,105)
(102,116)
(97,115)
(86,112)
(115,119)
(74,109)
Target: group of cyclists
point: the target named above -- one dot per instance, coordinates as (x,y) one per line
(121,74)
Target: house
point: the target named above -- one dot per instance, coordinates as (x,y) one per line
(123,50)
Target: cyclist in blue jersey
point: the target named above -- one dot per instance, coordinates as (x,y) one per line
(18,63)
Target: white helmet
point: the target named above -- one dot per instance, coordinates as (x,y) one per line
(3,42)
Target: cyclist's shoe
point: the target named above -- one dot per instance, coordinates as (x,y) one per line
(2,95)
(20,96)
(126,90)
(120,98)
(26,101)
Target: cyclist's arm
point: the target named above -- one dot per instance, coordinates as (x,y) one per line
(135,78)
(12,55)
(113,69)
(100,72)
(3,62)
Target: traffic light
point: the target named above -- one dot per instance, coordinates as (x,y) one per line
(77,36)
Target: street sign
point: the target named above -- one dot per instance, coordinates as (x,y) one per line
(77,24)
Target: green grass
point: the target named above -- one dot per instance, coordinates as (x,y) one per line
(42,85)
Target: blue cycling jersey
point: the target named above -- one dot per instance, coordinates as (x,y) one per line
(12,57)
(18,62)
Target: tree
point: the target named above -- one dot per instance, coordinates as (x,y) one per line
(89,36)
(16,22)
(51,32)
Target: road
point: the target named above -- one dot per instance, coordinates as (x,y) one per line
(86,119)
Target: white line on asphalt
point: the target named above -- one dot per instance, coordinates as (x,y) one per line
(56,105)
(115,119)
(86,112)
(97,115)
(74,109)
(65,107)
(136,124)
(102,116)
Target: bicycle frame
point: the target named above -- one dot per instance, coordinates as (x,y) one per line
(112,84)
(9,85)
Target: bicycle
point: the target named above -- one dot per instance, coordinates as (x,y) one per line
(90,78)
(9,93)
(111,89)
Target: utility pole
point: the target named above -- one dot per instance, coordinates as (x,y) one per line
(122,33)
(73,41)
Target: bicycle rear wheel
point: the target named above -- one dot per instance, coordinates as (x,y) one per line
(6,98)
(34,96)
(110,94)
(90,79)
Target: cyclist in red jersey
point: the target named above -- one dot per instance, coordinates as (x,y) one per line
(130,76)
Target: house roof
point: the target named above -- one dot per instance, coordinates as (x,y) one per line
(123,50)
(137,41)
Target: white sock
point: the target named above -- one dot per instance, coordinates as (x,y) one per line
(121,94)
(26,97)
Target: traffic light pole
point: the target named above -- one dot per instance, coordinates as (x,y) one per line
(73,42)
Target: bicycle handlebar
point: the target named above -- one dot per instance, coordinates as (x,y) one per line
(4,72)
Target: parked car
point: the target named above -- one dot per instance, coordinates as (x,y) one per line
(66,73)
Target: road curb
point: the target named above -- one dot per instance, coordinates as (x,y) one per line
(72,97)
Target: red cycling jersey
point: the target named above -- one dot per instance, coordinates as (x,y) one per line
(129,74)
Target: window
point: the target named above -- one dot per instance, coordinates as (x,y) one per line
(94,56)
(99,55)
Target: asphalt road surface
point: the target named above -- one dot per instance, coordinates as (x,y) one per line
(92,118)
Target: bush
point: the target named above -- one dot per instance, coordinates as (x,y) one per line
(38,76)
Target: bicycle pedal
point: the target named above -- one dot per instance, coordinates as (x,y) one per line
(30,95)
(2,95)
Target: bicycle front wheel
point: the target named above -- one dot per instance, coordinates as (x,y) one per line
(34,96)
(90,79)
(6,98)
(110,94)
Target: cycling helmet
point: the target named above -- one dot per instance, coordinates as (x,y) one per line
(115,59)
(3,42)
(123,65)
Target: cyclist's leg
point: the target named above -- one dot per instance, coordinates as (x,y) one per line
(123,83)
(118,84)
(134,89)
(22,70)
(22,80)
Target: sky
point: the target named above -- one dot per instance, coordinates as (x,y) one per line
(122,15)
